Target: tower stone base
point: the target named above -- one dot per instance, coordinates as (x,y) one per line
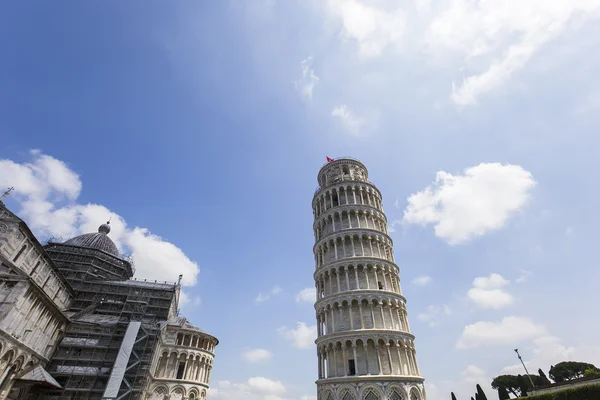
(371,389)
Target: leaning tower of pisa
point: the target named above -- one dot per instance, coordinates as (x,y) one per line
(364,345)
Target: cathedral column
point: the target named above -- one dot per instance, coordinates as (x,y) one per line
(350,313)
(356,275)
(407,361)
(381,312)
(335,247)
(365,346)
(344,359)
(337,276)
(320,364)
(389,355)
(378,359)
(362,319)
(347,278)
(332,321)
(355,359)
(402,370)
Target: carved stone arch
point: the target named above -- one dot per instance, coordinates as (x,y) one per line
(328,395)
(346,392)
(177,393)
(19,362)
(371,392)
(396,393)
(415,393)
(159,392)
(7,357)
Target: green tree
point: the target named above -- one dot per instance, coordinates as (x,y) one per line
(591,372)
(523,385)
(480,392)
(503,394)
(511,383)
(567,370)
(544,381)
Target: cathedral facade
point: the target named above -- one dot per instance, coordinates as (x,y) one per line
(365,348)
(74,324)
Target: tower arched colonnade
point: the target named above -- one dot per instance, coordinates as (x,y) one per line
(184,362)
(364,346)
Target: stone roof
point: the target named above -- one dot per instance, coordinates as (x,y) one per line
(98,241)
(38,375)
(183,323)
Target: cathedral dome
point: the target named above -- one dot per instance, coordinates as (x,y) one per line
(98,240)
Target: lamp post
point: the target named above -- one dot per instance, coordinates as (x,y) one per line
(527,372)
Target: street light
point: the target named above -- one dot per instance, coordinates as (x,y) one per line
(527,372)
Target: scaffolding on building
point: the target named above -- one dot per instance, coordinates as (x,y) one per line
(108,347)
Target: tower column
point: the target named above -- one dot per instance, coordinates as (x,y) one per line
(375,275)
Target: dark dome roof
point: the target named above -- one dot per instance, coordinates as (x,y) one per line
(98,240)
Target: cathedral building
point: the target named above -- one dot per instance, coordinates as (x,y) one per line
(75,324)
(365,348)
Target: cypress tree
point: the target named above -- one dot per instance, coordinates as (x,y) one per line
(481,394)
(502,393)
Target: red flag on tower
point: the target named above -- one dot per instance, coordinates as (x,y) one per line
(329,159)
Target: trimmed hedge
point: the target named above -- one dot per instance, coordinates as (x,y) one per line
(589,392)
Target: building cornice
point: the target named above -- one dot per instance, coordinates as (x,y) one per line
(354,261)
(363,333)
(351,232)
(367,378)
(351,293)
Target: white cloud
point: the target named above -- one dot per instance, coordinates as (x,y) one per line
(434,314)
(266,386)
(500,37)
(422,280)
(510,330)
(47,191)
(307,295)
(351,123)
(303,337)
(262,297)
(308,398)
(256,388)
(487,292)
(186,299)
(372,28)
(466,206)
(524,275)
(486,41)
(548,350)
(309,80)
(256,355)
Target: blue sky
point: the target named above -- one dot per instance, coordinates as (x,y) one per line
(200,129)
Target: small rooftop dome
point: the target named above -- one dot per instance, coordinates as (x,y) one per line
(98,240)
